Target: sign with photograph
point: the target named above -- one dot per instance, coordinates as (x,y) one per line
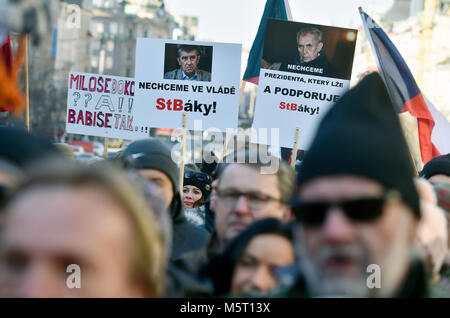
(303,73)
(201,79)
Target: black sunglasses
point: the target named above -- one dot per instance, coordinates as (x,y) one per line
(198,175)
(314,213)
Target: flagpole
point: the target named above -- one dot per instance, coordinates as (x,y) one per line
(27,87)
(183,150)
(225,145)
(228,136)
(295,148)
(374,50)
(101,68)
(369,37)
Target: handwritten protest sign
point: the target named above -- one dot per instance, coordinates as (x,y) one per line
(303,73)
(102,105)
(201,79)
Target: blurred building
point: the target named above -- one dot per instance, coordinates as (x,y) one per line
(420,31)
(94,36)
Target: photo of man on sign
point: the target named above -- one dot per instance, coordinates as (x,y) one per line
(309,41)
(316,50)
(188,64)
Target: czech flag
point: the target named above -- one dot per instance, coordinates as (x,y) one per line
(274,9)
(434,129)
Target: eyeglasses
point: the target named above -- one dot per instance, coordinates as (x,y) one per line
(197,175)
(314,213)
(255,200)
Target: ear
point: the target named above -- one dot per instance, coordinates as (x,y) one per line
(179,61)
(320,46)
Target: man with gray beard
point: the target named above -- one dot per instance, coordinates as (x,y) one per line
(356,206)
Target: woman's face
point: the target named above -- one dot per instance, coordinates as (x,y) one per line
(254,272)
(191,195)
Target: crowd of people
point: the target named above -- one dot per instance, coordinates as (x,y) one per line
(353,220)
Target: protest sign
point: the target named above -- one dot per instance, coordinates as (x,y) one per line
(303,73)
(201,79)
(102,105)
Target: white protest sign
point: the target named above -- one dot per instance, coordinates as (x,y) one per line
(201,79)
(305,72)
(102,105)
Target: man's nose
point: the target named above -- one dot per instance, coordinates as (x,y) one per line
(241,206)
(337,228)
(262,280)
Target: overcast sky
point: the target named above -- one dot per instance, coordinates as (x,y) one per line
(237,21)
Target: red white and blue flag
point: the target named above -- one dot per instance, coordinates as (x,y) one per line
(433,127)
(274,9)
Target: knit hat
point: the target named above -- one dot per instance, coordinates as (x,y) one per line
(22,148)
(438,165)
(200,180)
(152,153)
(361,135)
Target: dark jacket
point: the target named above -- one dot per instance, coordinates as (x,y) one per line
(196,261)
(209,217)
(182,283)
(186,273)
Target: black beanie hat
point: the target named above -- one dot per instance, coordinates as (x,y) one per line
(22,148)
(438,165)
(204,186)
(152,153)
(361,135)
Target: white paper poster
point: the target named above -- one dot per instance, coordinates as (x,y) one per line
(102,105)
(201,79)
(303,73)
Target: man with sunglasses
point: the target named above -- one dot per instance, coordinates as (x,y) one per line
(356,205)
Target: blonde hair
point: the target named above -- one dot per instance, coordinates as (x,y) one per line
(148,263)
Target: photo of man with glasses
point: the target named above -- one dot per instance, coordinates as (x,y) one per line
(188,58)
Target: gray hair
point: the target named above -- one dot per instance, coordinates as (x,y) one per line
(310,30)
